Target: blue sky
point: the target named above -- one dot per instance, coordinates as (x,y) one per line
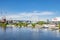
(48,8)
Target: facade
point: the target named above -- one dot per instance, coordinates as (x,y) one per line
(56,19)
(3,20)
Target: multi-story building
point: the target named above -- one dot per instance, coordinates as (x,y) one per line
(56,20)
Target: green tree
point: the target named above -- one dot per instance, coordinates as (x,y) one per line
(59,25)
(25,24)
(41,22)
(33,25)
(3,24)
(20,24)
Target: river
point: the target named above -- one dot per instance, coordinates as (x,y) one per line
(28,34)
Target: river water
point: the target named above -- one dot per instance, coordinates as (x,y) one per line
(28,34)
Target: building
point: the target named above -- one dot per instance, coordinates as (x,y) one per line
(56,19)
(3,20)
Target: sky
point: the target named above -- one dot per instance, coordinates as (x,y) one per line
(34,10)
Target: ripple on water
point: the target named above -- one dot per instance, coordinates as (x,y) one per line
(29,33)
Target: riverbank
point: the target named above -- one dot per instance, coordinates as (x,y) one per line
(38,25)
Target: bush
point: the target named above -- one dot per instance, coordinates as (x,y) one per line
(33,25)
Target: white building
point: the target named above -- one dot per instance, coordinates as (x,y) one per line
(56,19)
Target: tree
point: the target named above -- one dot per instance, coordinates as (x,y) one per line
(59,25)
(41,22)
(33,25)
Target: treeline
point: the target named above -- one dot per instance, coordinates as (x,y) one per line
(25,24)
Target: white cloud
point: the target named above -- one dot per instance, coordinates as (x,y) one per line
(47,13)
(33,16)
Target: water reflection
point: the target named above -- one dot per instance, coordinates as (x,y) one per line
(3,29)
(28,34)
(57,33)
